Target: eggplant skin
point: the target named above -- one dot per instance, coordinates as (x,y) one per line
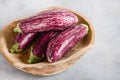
(18,38)
(59,19)
(26,39)
(65,41)
(40,46)
(22,41)
(38,51)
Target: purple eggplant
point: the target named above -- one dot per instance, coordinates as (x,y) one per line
(38,51)
(22,41)
(65,41)
(18,38)
(57,19)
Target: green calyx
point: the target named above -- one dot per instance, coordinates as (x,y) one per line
(86,26)
(15,48)
(17,29)
(34,59)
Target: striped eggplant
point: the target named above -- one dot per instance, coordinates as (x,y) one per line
(18,37)
(57,19)
(22,41)
(65,41)
(38,51)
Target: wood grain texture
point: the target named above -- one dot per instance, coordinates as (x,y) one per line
(44,68)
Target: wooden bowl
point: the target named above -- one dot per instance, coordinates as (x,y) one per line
(44,68)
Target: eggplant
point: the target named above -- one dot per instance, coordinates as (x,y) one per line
(59,19)
(65,41)
(38,51)
(22,41)
(18,37)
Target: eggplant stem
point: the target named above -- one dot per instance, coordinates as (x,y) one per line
(15,48)
(34,59)
(86,26)
(17,29)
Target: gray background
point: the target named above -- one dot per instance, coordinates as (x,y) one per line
(102,62)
